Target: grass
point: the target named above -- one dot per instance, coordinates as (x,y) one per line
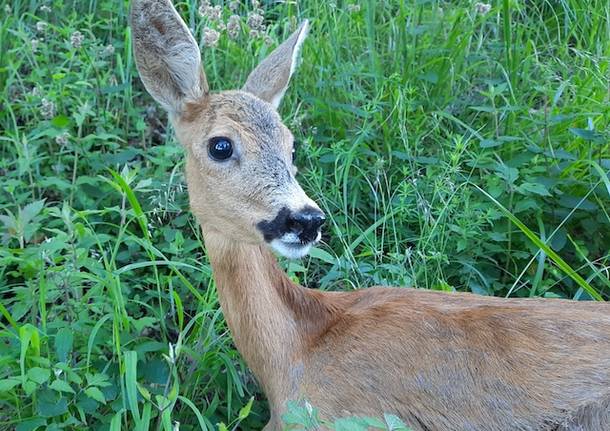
(452,149)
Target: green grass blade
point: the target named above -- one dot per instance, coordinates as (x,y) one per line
(567,269)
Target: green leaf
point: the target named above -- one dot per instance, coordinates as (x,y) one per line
(115,423)
(567,269)
(29,387)
(587,135)
(394,423)
(94,393)
(8,384)
(63,344)
(97,379)
(30,211)
(50,403)
(144,392)
(200,417)
(61,386)
(245,410)
(94,332)
(351,424)
(323,255)
(31,424)
(131,361)
(535,188)
(60,121)
(39,375)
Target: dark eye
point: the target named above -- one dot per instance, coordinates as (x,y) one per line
(220,148)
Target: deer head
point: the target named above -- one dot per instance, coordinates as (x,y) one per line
(240,170)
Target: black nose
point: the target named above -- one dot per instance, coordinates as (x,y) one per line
(306,223)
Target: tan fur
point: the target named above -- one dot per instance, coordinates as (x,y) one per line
(439,361)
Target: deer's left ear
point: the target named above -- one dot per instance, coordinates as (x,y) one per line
(270,78)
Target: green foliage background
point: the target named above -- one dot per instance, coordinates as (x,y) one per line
(425,126)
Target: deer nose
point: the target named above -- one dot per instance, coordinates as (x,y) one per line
(306,223)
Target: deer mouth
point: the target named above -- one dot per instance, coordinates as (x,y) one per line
(290,246)
(292,234)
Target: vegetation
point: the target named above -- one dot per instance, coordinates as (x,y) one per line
(453,146)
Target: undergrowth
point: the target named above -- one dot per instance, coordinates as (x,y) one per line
(453,146)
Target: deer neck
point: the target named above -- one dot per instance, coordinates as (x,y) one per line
(257,299)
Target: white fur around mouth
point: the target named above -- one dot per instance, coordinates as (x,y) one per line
(291,247)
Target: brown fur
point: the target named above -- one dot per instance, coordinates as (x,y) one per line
(440,361)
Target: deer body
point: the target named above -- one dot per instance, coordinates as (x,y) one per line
(439,361)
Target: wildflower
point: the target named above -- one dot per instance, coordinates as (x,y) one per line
(35,92)
(353,8)
(482,8)
(203,8)
(267,40)
(213,13)
(34,44)
(47,109)
(41,26)
(254,34)
(233,6)
(7,9)
(233,26)
(62,139)
(210,37)
(256,4)
(108,51)
(76,39)
(45,8)
(255,20)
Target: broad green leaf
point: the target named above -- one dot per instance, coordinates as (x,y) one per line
(31,424)
(587,135)
(63,343)
(322,255)
(61,386)
(8,384)
(97,379)
(96,394)
(29,387)
(39,375)
(60,121)
(535,188)
(50,403)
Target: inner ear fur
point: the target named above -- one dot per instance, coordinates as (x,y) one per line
(166,54)
(269,80)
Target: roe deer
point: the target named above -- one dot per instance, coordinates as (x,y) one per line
(440,361)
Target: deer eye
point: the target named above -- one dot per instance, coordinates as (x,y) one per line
(220,148)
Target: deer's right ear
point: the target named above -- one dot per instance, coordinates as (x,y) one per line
(166,54)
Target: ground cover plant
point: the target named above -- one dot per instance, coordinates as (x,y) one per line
(453,146)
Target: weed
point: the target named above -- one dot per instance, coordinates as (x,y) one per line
(453,146)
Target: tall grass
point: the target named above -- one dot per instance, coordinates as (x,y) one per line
(452,147)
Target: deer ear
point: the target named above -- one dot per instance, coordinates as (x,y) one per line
(166,54)
(270,78)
